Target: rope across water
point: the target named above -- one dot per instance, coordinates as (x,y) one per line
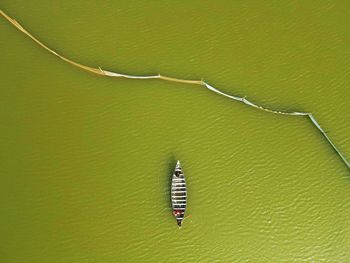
(244,100)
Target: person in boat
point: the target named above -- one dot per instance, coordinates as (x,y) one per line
(178,173)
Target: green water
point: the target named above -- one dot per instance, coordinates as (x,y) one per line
(85,161)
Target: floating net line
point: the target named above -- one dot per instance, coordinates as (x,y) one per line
(102,72)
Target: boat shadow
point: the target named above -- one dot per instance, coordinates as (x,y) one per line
(170,170)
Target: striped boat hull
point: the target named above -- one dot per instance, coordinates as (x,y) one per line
(178,194)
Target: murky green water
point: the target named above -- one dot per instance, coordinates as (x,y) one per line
(85,161)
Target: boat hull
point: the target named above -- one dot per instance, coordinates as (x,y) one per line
(178,194)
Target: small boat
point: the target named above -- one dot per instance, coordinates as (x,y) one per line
(178,194)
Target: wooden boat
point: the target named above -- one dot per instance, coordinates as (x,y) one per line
(178,194)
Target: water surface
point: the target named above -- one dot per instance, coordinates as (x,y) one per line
(86,160)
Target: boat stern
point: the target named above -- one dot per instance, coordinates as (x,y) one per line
(179,222)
